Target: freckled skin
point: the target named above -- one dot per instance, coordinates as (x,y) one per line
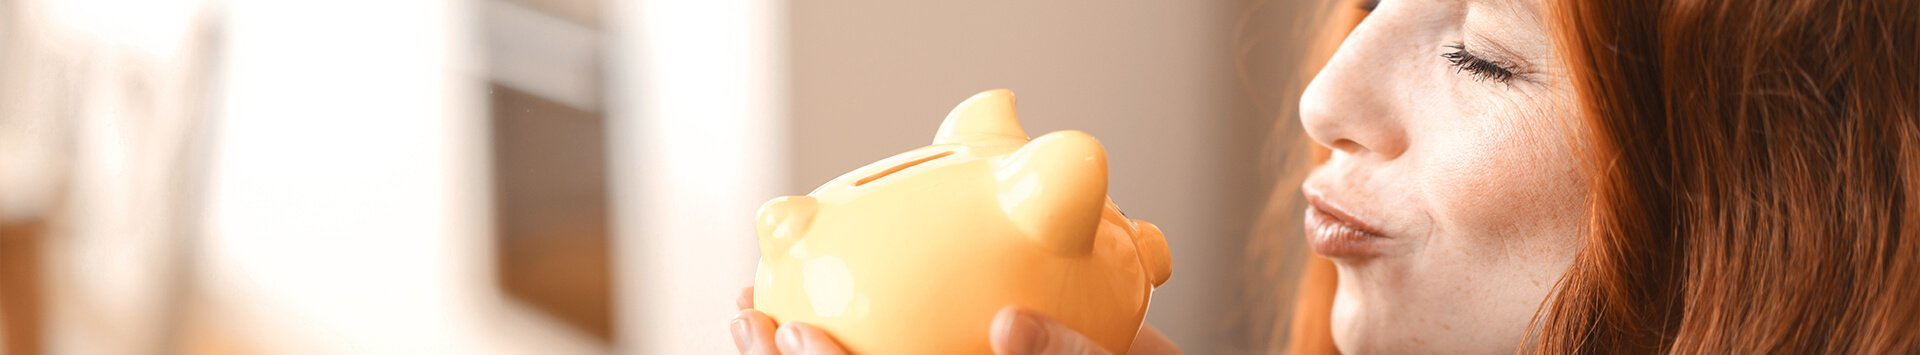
(1474,182)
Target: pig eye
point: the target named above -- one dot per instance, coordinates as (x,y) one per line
(898,168)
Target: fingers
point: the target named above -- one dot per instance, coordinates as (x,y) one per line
(756,334)
(1020,332)
(1149,341)
(746,298)
(799,338)
(753,333)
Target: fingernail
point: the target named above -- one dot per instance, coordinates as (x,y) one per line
(1025,334)
(789,338)
(740,333)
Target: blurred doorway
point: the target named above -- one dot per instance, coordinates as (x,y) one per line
(549,159)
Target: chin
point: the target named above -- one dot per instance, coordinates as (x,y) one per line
(1349,332)
(1362,328)
(1353,335)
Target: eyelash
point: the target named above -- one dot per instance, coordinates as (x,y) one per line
(1480,69)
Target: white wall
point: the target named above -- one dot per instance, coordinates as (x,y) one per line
(348,204)
(698,124)
(344,212)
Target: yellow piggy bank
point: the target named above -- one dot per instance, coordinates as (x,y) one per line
(915,253)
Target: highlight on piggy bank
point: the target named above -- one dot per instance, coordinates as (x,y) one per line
(916,252)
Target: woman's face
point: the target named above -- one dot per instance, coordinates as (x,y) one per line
(1452,201)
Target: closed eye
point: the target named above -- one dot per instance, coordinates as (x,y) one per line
(1480,69)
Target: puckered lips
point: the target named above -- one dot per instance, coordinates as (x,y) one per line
(1334,232)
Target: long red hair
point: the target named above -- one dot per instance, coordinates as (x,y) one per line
(1754,177)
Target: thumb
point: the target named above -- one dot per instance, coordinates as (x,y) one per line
(1021,332)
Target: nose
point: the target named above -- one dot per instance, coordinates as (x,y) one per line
(1350,106)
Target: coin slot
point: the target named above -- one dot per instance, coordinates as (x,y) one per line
(898,168)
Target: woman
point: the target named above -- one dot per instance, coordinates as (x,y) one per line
(1595,176)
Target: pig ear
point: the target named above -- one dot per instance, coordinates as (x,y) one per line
(1154,255)
(1054,189)
(782,221)
(986,117)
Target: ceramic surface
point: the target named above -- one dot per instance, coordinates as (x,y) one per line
(915,253)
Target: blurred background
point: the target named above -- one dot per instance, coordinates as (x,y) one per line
(574,176)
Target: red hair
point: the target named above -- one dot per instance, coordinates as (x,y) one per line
(1756,177)
(1754,180)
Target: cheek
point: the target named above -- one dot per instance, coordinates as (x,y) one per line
(1493,183)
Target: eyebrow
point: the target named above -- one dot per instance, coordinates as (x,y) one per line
(1516,10)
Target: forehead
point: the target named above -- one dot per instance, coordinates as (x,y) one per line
(1518,9)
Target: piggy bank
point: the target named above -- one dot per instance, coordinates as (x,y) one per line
(915,253)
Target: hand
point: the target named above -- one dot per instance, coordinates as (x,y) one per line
(1014,332)
(755,334)
(1021,332)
